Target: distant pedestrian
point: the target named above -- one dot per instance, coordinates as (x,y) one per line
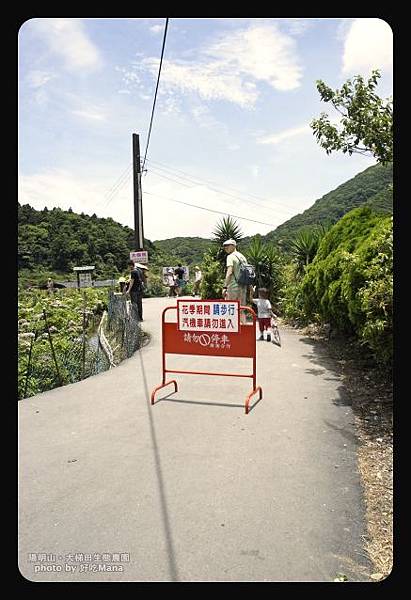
(50,285)
(171,282)
(135,288)
(180,283)
(264,313)
(197,280)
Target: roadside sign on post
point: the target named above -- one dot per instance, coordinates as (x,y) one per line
(209,328)
(141,256)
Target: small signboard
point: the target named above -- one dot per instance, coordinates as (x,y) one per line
(84,280)
(208,315)
(141,256)
(84,276)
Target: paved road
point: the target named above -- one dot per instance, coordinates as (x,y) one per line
(192,489)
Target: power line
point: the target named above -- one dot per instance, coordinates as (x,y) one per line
(288,212)
(121,182)
(155,94)
(188,176)
(211,210)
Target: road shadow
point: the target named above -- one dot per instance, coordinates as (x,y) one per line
(342,362)
(320,356)
(204,403)
(172,563)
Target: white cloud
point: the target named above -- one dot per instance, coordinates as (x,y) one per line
(255,169)
(59,187)
(68,39)
(276,138)
(230,67)
(157,29)
(37,79)
(368,45)
(94,115)
(262,52)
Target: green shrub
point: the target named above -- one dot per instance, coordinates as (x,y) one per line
(291,299)
(213,277)
(349,283)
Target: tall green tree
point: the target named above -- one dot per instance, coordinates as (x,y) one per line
(366,124)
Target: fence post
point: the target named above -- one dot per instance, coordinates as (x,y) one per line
(52,348)
(83,359)
(29,364)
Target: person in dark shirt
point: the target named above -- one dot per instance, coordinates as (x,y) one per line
(136,289)
(179,272)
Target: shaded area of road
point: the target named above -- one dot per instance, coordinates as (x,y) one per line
(192,489)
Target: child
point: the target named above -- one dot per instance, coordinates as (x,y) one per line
(264,313)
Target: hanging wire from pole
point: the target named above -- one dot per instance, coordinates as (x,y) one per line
(155,94)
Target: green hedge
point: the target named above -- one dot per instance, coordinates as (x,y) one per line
(350,282)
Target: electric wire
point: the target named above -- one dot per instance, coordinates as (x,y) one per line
(155,94)
(211,210)
(245,199)
(188,176)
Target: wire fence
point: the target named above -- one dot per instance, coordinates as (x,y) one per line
(48,359)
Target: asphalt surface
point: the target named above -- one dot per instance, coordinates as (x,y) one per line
(192,488)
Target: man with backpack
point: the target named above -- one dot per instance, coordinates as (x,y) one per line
(135,289)
(239,275)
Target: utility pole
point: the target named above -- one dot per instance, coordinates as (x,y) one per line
(138,197)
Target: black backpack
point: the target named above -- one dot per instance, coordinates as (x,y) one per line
(138,286)
(246,275)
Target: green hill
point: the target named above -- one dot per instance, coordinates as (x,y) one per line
(187,249)
(372,186)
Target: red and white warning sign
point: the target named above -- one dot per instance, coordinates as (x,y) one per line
(208,315)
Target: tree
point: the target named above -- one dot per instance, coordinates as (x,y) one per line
(366,120)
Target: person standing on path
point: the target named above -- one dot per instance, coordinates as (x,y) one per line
(264,313)
(179,272)
(136,289)
(232,290)
(170,278)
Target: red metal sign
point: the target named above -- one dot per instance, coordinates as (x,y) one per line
(209,343)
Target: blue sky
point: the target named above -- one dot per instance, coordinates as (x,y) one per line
(235,100)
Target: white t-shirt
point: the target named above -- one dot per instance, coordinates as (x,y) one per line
(198,275)
(263,308)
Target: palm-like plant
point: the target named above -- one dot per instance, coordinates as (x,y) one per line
(256,254)
(227,228)
(274,269)
(304,246)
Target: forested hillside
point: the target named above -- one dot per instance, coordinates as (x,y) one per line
(189,249)
(373,186)
(57,240)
